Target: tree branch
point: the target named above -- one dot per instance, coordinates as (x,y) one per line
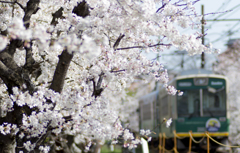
(7,2)
(14,43)
(56,15)
(9,77)
(159,44)
(99,83)
(82,9)
(13,3)
(7,59)
(31,8)
(161,7)
(30,66)
(120,37)
(97,90)
(17,75)
(29,60)
(61,71)
(112,71)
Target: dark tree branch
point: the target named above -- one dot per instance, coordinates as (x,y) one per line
(120,37)
(159,44)
(29,60)
(61,71)
(87,105)
(9,77)
(13,3)
(31,8)
(108,39)
(161,7)
(82,9)
(14,44)
(99,83)
(7,2)
(112,71)
(9,62)
(201,36)
(64,60)
(30,66)
(19,4)
(56,15)
(28,82)
(97,90)
(17,75)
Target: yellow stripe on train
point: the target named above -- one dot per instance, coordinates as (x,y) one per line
(215,134)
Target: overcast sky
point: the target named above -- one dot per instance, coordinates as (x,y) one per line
(218,33)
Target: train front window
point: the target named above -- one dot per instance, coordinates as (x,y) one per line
(214,103)
(188,104)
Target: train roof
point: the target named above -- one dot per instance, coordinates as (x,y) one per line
(195,71)
(198,73)
(150,97)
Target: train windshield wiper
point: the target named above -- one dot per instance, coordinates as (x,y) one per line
(190,116)
(209,112)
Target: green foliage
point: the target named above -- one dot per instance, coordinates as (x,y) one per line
(107,149)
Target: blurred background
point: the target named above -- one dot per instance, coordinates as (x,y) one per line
(222,25)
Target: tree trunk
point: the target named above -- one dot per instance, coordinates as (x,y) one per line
(97,147)
(7,144)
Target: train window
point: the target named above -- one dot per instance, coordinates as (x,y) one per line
(188,104)
(214,104)
(146,112)
(164,106)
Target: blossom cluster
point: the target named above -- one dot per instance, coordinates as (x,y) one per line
(7,128)
(228,65)
(101,62)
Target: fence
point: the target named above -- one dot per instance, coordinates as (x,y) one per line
(162,138)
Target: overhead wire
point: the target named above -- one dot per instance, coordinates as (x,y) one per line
(222,14)
(230,31)
(226,12)
(223,36)
(226,33)
(223,6)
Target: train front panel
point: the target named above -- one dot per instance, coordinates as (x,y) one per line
(202,107)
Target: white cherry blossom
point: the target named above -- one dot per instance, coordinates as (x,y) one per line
(105,47)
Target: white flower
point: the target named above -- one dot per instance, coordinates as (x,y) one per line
(180,93)
(45,149)
(114,142)
(29,146)
(149,139)
(168,122)
(91,39)
(142,132)
(171,90)
(21,135)
(3,42)
(2,130)
(148,132)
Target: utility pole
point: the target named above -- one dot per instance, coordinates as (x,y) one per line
(203,23)
(202,57)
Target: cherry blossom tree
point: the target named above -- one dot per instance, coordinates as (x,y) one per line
(228,65)
(64,66)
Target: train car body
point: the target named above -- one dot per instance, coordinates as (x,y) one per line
(202,108)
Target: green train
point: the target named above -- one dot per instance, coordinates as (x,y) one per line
(202,108)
